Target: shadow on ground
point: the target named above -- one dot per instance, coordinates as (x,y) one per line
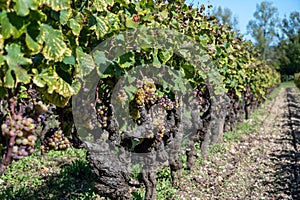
(287,173)
(75,181)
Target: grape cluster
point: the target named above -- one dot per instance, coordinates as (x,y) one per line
(161,128)
(167,103)
(55,140)
(144,97)
(146,92)
(23,129)
(103,101)
(102,113)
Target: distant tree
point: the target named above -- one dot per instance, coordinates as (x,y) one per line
(264,28)
(288,49)
(290,26)
(225,16)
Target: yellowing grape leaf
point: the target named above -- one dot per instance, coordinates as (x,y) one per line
(100,5)
(54,45)
(48,77)
(101,27)
(57,5)
(75,26)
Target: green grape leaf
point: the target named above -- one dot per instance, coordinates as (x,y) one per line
(64,15)
(54,98)
(2,60)
(76,85)
(130,23)
(2,92)
(36,80)
(32,45)
(9,80)
(7,29)
(22,6)
(69,60)
(54,46)
(14,60)
(85,62)
(75,26)
(165,56)
(101,61)
(130,91)
(156,62)
(57,5)
(127,60)
(114,21)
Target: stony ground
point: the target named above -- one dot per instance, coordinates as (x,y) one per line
(264,164)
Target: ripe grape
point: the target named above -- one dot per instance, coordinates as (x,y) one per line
(55,140)
(23,128)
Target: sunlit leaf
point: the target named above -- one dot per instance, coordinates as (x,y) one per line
(101,27)
(130,23)
(14,59)
(57,5)
(1,42)
(69,60)
(75,26)
(54,45)
(22,6)
(100,5)
(50,79)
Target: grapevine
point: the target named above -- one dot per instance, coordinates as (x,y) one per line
(49,52)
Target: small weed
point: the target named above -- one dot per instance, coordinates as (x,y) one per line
(164,187)
(217,148)
(139,194)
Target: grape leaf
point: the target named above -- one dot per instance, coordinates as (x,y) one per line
(130,23)
(64,16)
(48,77)
(100,5)
(75,26)
(7,29)
(14,59)
(32,45)
(22,6)
(55,47)
(57,5)
(85,61)
(101,27)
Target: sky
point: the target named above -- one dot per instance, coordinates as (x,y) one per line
(244,9)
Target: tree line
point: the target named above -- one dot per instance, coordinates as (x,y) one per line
(276,40)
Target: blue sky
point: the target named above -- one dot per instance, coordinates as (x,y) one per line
(244,9)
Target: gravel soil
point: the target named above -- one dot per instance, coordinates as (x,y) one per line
(263,164)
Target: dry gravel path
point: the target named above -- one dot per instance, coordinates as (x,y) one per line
(264,164)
